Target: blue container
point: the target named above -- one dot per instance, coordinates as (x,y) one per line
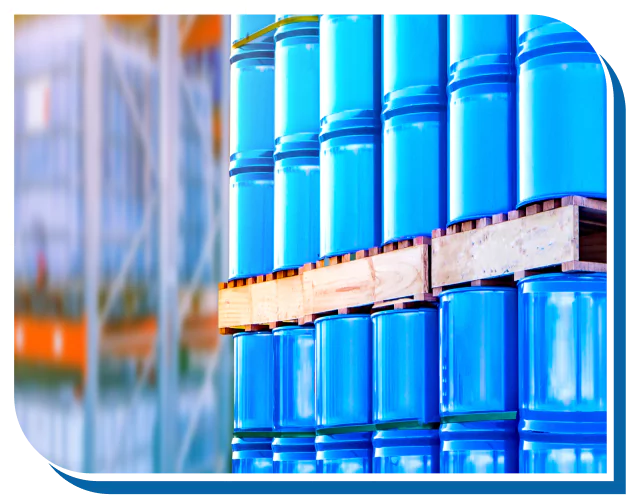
(563,377)
(406,451)
(350,168)
(251,227)
(244,25)
(343,370)
(478,350)
(294,455)
(294,379)
(479,447)
(344,453)
(297,181)
(406,366)
(482,128)
(414,125)
(252,455)
(254,381)
(562,112)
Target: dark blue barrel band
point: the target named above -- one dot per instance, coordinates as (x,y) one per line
(292,33)
(252,169)
(574,47)
(345,429)
(476,417)
(406,425)
(344,445)
(408,109)
(484,78)
(350,131)
(262,55)
(302,153)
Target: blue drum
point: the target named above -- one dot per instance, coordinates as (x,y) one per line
(297,181)
(254,381)
(562,112)
(343,370)
(414,125)
(479,447)
(350,168)
(344,453)
(482,121)
(294,455)
(252,455)
(406,451)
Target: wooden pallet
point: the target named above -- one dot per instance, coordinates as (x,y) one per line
(344,284)
(566,235)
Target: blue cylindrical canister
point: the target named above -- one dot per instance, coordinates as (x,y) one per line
(294,455)
(297,182)
(251,230)
(414,125)
(562,112)
(343,370)
(350,169)
(245,25)
(563,372)
(478,350)
(482,128)
(406,451)
(252,455)
(406,365)
(294,379)
(479,447)
(344,453)
(254,381)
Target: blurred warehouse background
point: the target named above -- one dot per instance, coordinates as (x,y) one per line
(120,240)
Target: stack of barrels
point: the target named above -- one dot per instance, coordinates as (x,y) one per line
(386,128)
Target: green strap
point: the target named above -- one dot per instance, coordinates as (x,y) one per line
(491,416)
(407,425)
(275,25)
(346,429)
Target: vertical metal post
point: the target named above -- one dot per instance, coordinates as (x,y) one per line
(168,336)
(92,126)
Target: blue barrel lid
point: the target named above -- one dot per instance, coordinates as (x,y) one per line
(293,330)
(563,282)
(491,289)
(299,444)
(342,317)
(252,334)
(404,311)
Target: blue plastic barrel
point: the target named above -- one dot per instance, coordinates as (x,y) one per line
(563,372)
(562,112)
(478,351)
(343,370)
(297,181)
(294,379)
(245,25)
(251,227)
(254,381)
(482,122)
(406,366)
(252,455)
(479,447)
(344,453)
(406,451)
(350,154)
(294,455)
(414,125)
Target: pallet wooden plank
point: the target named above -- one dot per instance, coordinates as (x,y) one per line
(392,275)
(543,239)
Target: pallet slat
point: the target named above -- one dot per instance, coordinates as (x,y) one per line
(392,275)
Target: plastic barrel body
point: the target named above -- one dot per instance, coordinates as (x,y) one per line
(350,155)
(251,231)
(562,112)
(406,451)
(294,455)
(563,377)
(414,125)
(481,118)
(479,447)
(406,366)
(245,25)
(252,455)
(478,351)
(254,381)
(297,181)
(344,453)
(343,370)
(294,379)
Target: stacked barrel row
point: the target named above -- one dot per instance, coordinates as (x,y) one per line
(520,374)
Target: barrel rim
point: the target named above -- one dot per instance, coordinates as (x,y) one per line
(401,311)
(345,317)
(256,333)
(493,289)
(293,329)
